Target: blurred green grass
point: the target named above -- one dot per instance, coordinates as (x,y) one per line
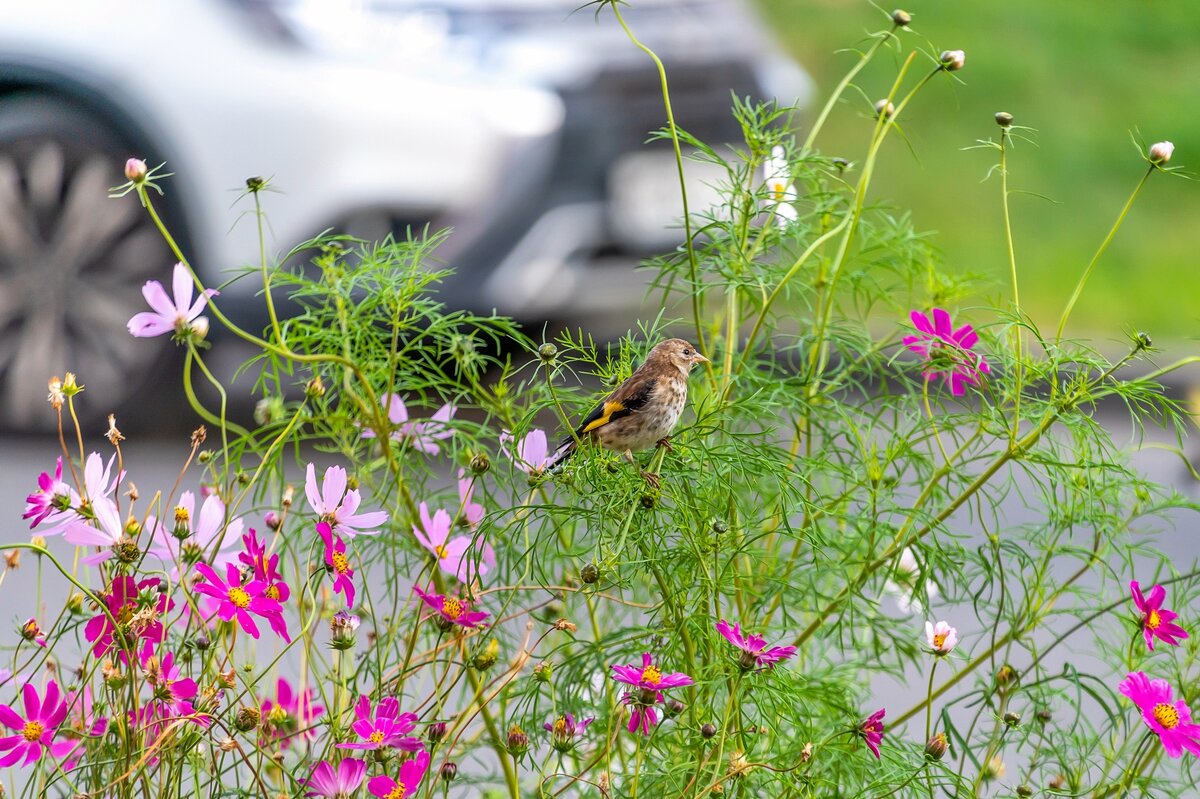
(1084,75)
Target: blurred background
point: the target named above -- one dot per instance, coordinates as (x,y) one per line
(522,124)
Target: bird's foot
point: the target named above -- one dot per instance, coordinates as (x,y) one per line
(665,443)
(651,478)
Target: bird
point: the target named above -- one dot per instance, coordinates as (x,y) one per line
(643,410)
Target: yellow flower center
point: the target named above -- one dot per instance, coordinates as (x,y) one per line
(452,608)
(560,726)
(1164,714)
(239,597)
(375,737)
(277,715)
(397,792)
(652,675)
(938,640)
(1153,620)
(181,515)
(341,564)
(32,731)
(441,552)
(272,591)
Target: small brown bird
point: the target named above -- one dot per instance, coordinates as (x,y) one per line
(644,409)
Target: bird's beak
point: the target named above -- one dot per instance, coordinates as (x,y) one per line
(701,359)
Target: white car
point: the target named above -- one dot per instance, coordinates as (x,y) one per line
(517,122)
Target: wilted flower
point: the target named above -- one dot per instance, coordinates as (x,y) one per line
(423,435)
(952,60)
(451,610)
(406,782)
(337,506)
(947,351)
(179,316)
(532,453)
(565,731)
(386,728)
(1161,152)
(1170,719)
(36,730)
(871,731)
(1157,621)
(340,784)
(755,654)
(941,637)
(650,682)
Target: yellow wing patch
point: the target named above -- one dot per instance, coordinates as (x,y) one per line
(605,416)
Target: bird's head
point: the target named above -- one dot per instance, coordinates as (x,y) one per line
(678,353)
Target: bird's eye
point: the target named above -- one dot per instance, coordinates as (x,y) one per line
(687,353)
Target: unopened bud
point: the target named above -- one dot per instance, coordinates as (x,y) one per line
(480,463)
(708,731)
(247,718)
(1012,720)
(994,769)
(486,658)
(201,642)
(75,603)
(1044,715)
(547,352)
(673,708)
(952,60)
(435,732)
(648,501)
(448,771)
(255,184)
(543,671)
(590,573)
(1161,152)
(884,108)
(1005,676)
(135,170)
(199,328)
(314,388)
(38,541)
(936,748)
(273,520)
(1004,119)
(518,741)
(1024,791)
(901,18)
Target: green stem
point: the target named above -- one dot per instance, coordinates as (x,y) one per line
(880,39)
(1019,372)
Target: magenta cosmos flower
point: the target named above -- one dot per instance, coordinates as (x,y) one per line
(386,728)
(172,692)
(422,435)
(291,715)
(755,654)
(650,682)
(565,732)
(406,782)
(53,505)
(339,784)
(1157,621)
(531,454)
(941,637)
(81,724)
(179,316)
(947,351)
(36,730)
(53,497)
(871,731)
(338,563)
(238,600)
(265,568)
(1170,720)
(460,555)
(137,608)
(337,506)
(452,611)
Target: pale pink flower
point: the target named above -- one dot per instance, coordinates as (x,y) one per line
(178,316)
(338,507)
(422,434)
(941,637)
(460,555)
(532,453)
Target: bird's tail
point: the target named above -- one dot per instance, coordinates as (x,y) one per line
(566,449)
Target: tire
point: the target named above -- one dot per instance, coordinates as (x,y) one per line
(72,263)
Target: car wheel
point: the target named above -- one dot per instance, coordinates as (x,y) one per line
(72,262)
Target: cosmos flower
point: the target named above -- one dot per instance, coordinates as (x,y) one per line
(194,537)
(1157,621)
(178,317)
(947,352)
(36,730)
(941,637)
(81,724)
(344,782)
(1170,720)
(452,611)
(532,453)
(32,631)
(53,506)
(903,583)
(265,568)
(238,600)
(291,714)
(565,732)
(470,513)
(338,563)
(755,654)
(650,682)
(871,731)
(105,530)
(337,506)
(781,193)
(422,435)
(386,728)
(460,555)
(53,497)
(137,608)
(406,782)
(171,692)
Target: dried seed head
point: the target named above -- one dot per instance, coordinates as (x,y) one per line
(565,626)
(1161,152)
(227,745)
(113,435)
(198,435)
(952,60)
(12,559)
(1004,119)
(806,752)
(289,494)
(56,396)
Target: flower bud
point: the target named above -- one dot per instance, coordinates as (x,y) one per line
(1056,782)
(673,708)
(1024,791)
(448,771)
(719,526)
(1012,720)
(1004,119)
(256,184)
(994,769)
(201,642)
(38,541)
(648,501)
(590,573)
(199,328)
(314,388)
(901,18)
(543,671)
(480,463)
(31,631)
(936,748)
(547,352)
(708,731)
(952,60)
(884,108)
(1005,677)
(1044,716)
(135,170)
(435,732)
(247,718)
(486,657)
(1161,152)
(341,630)
(75,603)
(273,520)
(518,741)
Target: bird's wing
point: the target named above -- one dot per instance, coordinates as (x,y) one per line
(627,399)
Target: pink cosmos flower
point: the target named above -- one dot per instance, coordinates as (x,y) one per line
(138,609)
(755,654)
(565,732)
(32,631)
(1170,720)
(1157,621)
(387,728)
(264,567)
(171,692)
(239,600)
(452,611)
(327,783)
(52,498)
(406,782)
(337,506)
(36,730)
(194,537)
(871,731)
(650,682)
(460,555)
(470,513)
(941,637)
(532,452)
(339,564)
(947,351)
(177,317)
(291,716)
(105,530)
(81,724)
(423,435)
